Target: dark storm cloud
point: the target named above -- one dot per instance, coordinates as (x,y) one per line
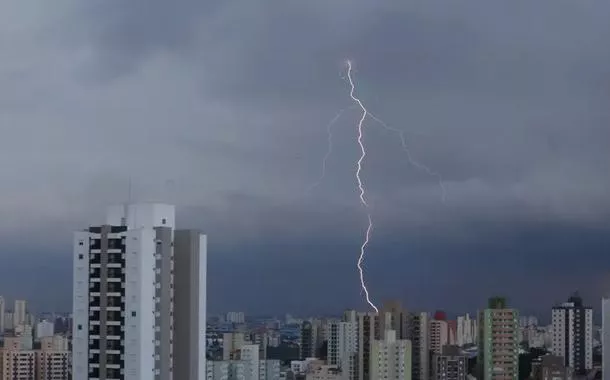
(222,108)
(505,104)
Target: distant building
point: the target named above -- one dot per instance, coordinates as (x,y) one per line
(408,326)
(245,365)
(19,361)
(270,369)
(218,370)
(324,372)
(420,347)
(550,367)
(260,338)
(309,341)
(16,360)
(2,316)
(343,345)
(498,356)
(452,332)
(573,334)
(605,339)
(53,359)
(54,343)
(236,317)
(44,329)
(438,335)
(450,364)
(249,357)
(467,330)
(20,313)
(231,344)
(368,332)
(528,321)
(391,358)
(8,320)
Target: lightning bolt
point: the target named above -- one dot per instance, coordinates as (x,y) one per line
(363,200)
(410,158)
(369,228)
(329,149)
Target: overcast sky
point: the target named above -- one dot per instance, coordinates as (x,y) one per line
(222,107)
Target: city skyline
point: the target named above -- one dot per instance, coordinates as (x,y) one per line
(222,110)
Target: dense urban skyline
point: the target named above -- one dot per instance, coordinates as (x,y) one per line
(222,109)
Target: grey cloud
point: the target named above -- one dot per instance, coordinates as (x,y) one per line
(229,102)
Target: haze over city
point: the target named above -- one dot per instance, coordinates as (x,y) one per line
(221,108)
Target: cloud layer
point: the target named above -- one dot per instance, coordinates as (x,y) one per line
(222,109)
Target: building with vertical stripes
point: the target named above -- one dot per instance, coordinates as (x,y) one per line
(573,334)
(139,295)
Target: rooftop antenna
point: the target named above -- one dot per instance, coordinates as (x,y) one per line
(126,205)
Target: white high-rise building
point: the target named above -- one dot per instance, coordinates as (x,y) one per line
(573,334)
(139,297)
(606,339)
(44,329)
(343,344)
(528,321)
(8,320)
(391,358)
(466,330)
(20,313)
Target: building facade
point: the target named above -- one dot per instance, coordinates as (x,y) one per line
(237,317)
(20,313)
(308,340)
(343,345)
(606,339)
(44,329)
(391,358)
(420,347)
(124,308)
(550,367)
(368,331)
(190,299)
(17,364)
(18,361)
(498,356)
(450,364)
(466,330)
(438,335)
(572,324)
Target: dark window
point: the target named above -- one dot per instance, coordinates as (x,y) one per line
(133,313)
(80,327)
(163,221)
(80,242)
(80,256)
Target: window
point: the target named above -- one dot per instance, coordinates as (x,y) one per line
(80,327)
(80,242)
(163,221)
(133,313)
(80,256)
